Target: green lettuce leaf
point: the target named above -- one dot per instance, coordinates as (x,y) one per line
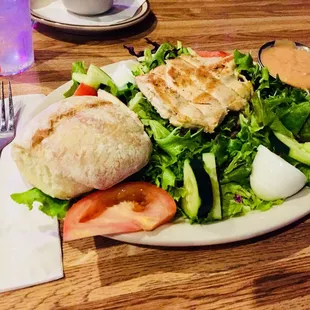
(244,62)
(71,90)
(168,179)
(240,152)
(77,67)
(127,92)
(238,200)
(265,116)
(145,111)
(305,131)
(152,60)
(174,143)
(296,116)
(52,207)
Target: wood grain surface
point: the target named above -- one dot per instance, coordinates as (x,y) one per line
(271,272)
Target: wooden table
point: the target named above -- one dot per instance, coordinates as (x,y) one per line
(271,272)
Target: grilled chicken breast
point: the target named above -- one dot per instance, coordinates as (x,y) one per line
(223,69)
(195,92)
(171,105)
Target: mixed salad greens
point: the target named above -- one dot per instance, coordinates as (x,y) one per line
(208,174)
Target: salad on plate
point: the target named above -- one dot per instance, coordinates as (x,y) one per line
(227,139)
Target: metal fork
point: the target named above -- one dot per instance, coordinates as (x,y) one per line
(7,128)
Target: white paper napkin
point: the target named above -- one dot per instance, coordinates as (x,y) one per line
(30,251)
(56,12)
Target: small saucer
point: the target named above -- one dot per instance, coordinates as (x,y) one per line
(124,13)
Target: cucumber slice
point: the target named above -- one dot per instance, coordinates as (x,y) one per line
(79,77)
(301,155)
(133,104)
(210,168)
(191,202)
(204,188)
(95,77)
(298,151)
(307,146)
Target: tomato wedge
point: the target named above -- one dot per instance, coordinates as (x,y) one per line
(209,54)
(124,208)
(85,90)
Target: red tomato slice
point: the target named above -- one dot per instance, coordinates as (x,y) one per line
(85,90)
(124,208)
(208,54)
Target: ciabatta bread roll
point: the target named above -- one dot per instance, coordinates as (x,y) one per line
(80,144)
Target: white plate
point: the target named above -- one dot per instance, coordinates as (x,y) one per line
(183,234)
(124,14)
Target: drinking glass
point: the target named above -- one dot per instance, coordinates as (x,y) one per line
(16,49)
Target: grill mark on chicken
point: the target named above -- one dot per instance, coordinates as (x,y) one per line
(200,79)
(226,96)
(223,69)
(182,78)
(184,112)
(194,93)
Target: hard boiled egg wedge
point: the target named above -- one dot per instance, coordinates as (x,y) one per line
(274,178)
(122,74)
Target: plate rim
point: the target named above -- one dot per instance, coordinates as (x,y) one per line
(142,237)
(129,238)
(144,11)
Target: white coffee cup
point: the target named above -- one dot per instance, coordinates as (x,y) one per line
(88,7)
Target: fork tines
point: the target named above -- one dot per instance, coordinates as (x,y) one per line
(7,119)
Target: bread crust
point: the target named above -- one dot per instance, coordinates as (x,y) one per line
(80,144)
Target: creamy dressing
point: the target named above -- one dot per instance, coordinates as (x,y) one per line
(292,64)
